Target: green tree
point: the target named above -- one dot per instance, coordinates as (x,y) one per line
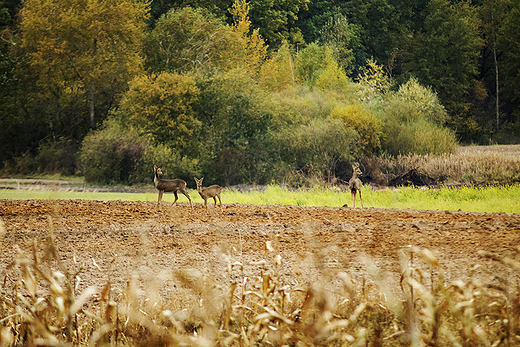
(276,20)
(235,128)
(383,26)
(508,43)
(249,48)
(279,72)
(444,54)
(158,8)
(312,61)
(343,38)
(185,39)
(311,22)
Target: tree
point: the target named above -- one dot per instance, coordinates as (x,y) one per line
(342,37)
(249,47)
(508,43)
(278,72)
(82,53)
(276,20)
(235,128)
(161,106)
(312,61)
(186,39)
(382,25)
(444,54)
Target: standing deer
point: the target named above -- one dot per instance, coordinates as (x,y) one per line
(209,192)
(354,184)
(168,186)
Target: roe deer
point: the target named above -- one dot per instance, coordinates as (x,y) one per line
(168,186)
(209,192)
(354,184)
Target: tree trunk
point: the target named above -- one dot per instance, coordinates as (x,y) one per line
(92,122)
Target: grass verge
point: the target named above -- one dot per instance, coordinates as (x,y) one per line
(475,199)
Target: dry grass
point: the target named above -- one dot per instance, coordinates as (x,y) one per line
(40,305)
(473,165)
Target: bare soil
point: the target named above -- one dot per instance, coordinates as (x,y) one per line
(114,240)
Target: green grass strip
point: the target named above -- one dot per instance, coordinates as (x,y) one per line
(484,199)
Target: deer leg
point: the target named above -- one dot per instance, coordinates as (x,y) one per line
(160,197)
(360,199)
(186,195)
(220,201)
(353,193)
(176,197)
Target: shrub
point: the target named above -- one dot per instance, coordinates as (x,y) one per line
(51,157)
(365,124)
(111,155)
(173,164)
(317,148)
(120,155)
(413,120)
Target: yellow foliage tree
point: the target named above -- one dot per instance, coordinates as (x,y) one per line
(161,107)
(83,49)
(278,72)
(250,49)
(364,123)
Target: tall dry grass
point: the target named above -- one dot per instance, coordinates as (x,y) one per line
(41,305)
(475,165)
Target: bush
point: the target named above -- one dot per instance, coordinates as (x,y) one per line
(51,158)
(173,165)
(317,148)
(413,122)
(119,155)
(111,155)
(365,124)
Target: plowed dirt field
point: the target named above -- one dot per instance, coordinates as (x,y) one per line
(118,239)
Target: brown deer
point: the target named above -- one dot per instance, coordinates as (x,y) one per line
(354,184)
(209,192)
(168,185)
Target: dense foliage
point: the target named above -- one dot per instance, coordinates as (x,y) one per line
(250,92)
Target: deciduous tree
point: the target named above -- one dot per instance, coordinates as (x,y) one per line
(82,53)
(186,39)
(161,106)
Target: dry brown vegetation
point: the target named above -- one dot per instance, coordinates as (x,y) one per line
(124,273)
(474,165)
